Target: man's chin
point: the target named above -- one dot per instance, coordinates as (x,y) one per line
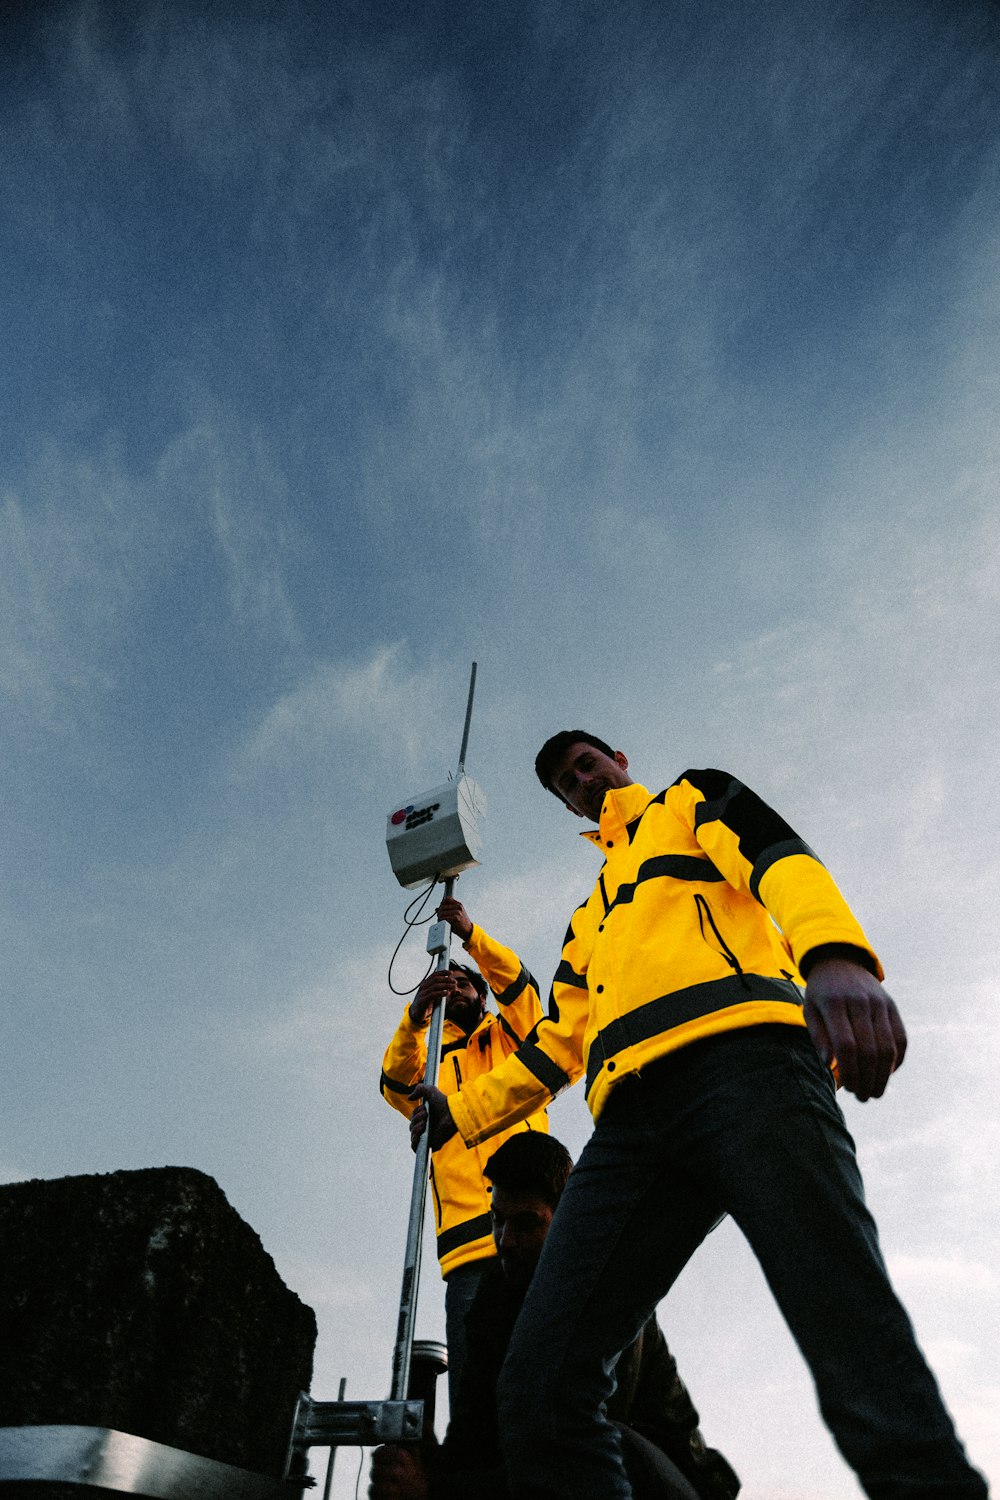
(462,1015)
(597,804)
(516,1273)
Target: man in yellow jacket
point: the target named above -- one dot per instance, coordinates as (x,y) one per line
(474,1041)
(709,1075)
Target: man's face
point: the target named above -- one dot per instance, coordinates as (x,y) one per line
(464,1005)
(520,1223)
(585,773)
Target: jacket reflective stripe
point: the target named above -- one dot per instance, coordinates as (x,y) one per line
(714,810)
(504,997)
(762,835)
(566,975)
(385,1082)
(464,1234)
(771,856)
(671,1010)
(667,866)
(544,1069)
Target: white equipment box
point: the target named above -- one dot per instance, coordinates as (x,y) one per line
(436,834)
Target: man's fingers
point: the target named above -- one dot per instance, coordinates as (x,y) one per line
(436,983)
(818,1032)
(418,1124)
(890,1038)
(871,1064)
(836,1036)
(886,1044)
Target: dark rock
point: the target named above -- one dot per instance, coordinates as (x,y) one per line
(142,1301)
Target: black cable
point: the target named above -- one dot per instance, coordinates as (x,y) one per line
(419,901)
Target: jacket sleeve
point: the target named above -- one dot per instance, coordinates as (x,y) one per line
(404,1063)
(513,987)
(549,1060)
(757,852)
(660,1408)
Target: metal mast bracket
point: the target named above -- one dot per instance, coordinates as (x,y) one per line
(355,1424)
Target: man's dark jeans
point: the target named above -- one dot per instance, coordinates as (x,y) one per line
(460,1289)
(747,1124)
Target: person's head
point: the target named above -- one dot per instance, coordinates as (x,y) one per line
(578,768)
(466,1005)
(527,1175)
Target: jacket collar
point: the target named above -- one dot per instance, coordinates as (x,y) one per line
(451,1033)
(621,807)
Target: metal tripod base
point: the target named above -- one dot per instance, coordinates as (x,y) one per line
(100,1459)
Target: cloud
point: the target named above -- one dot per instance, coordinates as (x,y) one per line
(72,558)
(952,1275)
(364,716)
(219,479)
(96,552)
(335,1014)
(326,1288)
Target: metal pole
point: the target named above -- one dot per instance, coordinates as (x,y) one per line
(415,1230)
(333,1452)
(403,1351)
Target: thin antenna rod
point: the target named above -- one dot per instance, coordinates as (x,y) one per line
(468,721)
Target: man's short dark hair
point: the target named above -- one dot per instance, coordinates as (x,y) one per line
(548,758)
(479,984)
(531,1163)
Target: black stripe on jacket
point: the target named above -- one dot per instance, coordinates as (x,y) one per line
(668,1011)
(464,1234)
(762,834)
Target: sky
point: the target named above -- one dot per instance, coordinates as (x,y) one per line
(647,355)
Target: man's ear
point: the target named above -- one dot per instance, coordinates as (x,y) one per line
(620,757)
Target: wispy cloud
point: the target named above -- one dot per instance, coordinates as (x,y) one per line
(368,715)
(334,1017)
(222,480)
(72,558)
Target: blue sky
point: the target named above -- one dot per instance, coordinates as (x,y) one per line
(646,354)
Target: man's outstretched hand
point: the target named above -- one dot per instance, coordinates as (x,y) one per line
(852,1018)
(435,1105)
(458,919)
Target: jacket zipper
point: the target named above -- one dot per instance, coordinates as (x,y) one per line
(705,914)
(437,1196)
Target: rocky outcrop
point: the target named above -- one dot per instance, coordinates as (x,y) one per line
(142,1301)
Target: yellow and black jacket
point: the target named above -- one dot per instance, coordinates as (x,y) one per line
(705,907)
(461,1196)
